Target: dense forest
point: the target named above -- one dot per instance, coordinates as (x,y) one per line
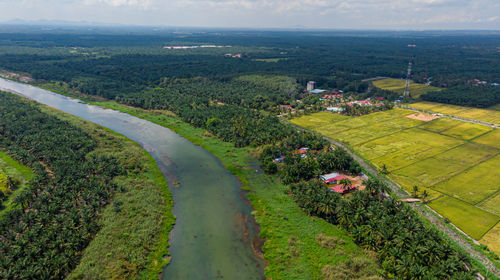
(56,216)
(472,96)
(117,64)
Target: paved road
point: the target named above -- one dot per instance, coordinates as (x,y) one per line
(423,210)
(493,125)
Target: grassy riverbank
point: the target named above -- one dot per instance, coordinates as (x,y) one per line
(134,226)
(295,246)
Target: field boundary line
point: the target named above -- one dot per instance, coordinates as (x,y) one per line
(489,198)
(493,125)
(461,241)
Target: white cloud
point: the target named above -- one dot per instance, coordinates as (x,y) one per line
(261,13)
(144,4)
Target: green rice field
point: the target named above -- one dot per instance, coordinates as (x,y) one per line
(398,86)
(456,162)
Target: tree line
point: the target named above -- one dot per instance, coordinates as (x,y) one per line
(56,215)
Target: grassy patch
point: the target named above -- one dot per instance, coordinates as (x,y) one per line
(490,139)
(9,167)
(134,228)
(474,184)
(398,85)
(461,214)
(317,120)
(291,246)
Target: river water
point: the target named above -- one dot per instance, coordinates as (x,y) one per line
(213,234)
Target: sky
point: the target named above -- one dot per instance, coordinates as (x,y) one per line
(327,14)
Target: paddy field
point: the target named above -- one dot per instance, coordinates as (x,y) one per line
(457,163)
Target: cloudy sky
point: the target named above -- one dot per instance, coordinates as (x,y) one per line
(330,14)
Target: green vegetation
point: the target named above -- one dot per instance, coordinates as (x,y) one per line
(466,95)
(234,99)
(14,177)
(461,214)
(79,169)
(291,249)
(398,85)
(441,156)
(270,59)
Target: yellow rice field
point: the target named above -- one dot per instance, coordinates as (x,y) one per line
(456,162)
(485,115)
(398,86)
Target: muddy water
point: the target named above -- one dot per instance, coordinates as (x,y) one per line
(213,235)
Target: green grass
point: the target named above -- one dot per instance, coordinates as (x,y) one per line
(461,214)
(291,248)
(318,119)
(474,184)
(467,131)
(398,86)
(11,167)
(131,242)
(490,139)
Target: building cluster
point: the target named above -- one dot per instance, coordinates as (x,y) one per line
(336,182)
(479,82)
(193,47)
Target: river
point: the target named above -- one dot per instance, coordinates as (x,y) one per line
(212,237)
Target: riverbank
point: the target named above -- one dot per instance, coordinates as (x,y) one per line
(292,248)
(131,242)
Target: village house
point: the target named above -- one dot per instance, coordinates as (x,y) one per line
(332,178)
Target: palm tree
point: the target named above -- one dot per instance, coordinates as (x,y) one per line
(415,191)
(425,194)
(346,184)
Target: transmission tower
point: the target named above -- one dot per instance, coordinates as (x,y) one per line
(407,86)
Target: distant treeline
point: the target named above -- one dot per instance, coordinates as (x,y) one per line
(472,96)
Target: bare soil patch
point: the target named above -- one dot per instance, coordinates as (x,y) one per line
(423,117)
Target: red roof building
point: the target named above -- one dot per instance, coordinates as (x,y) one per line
(341,189)
(335,180)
